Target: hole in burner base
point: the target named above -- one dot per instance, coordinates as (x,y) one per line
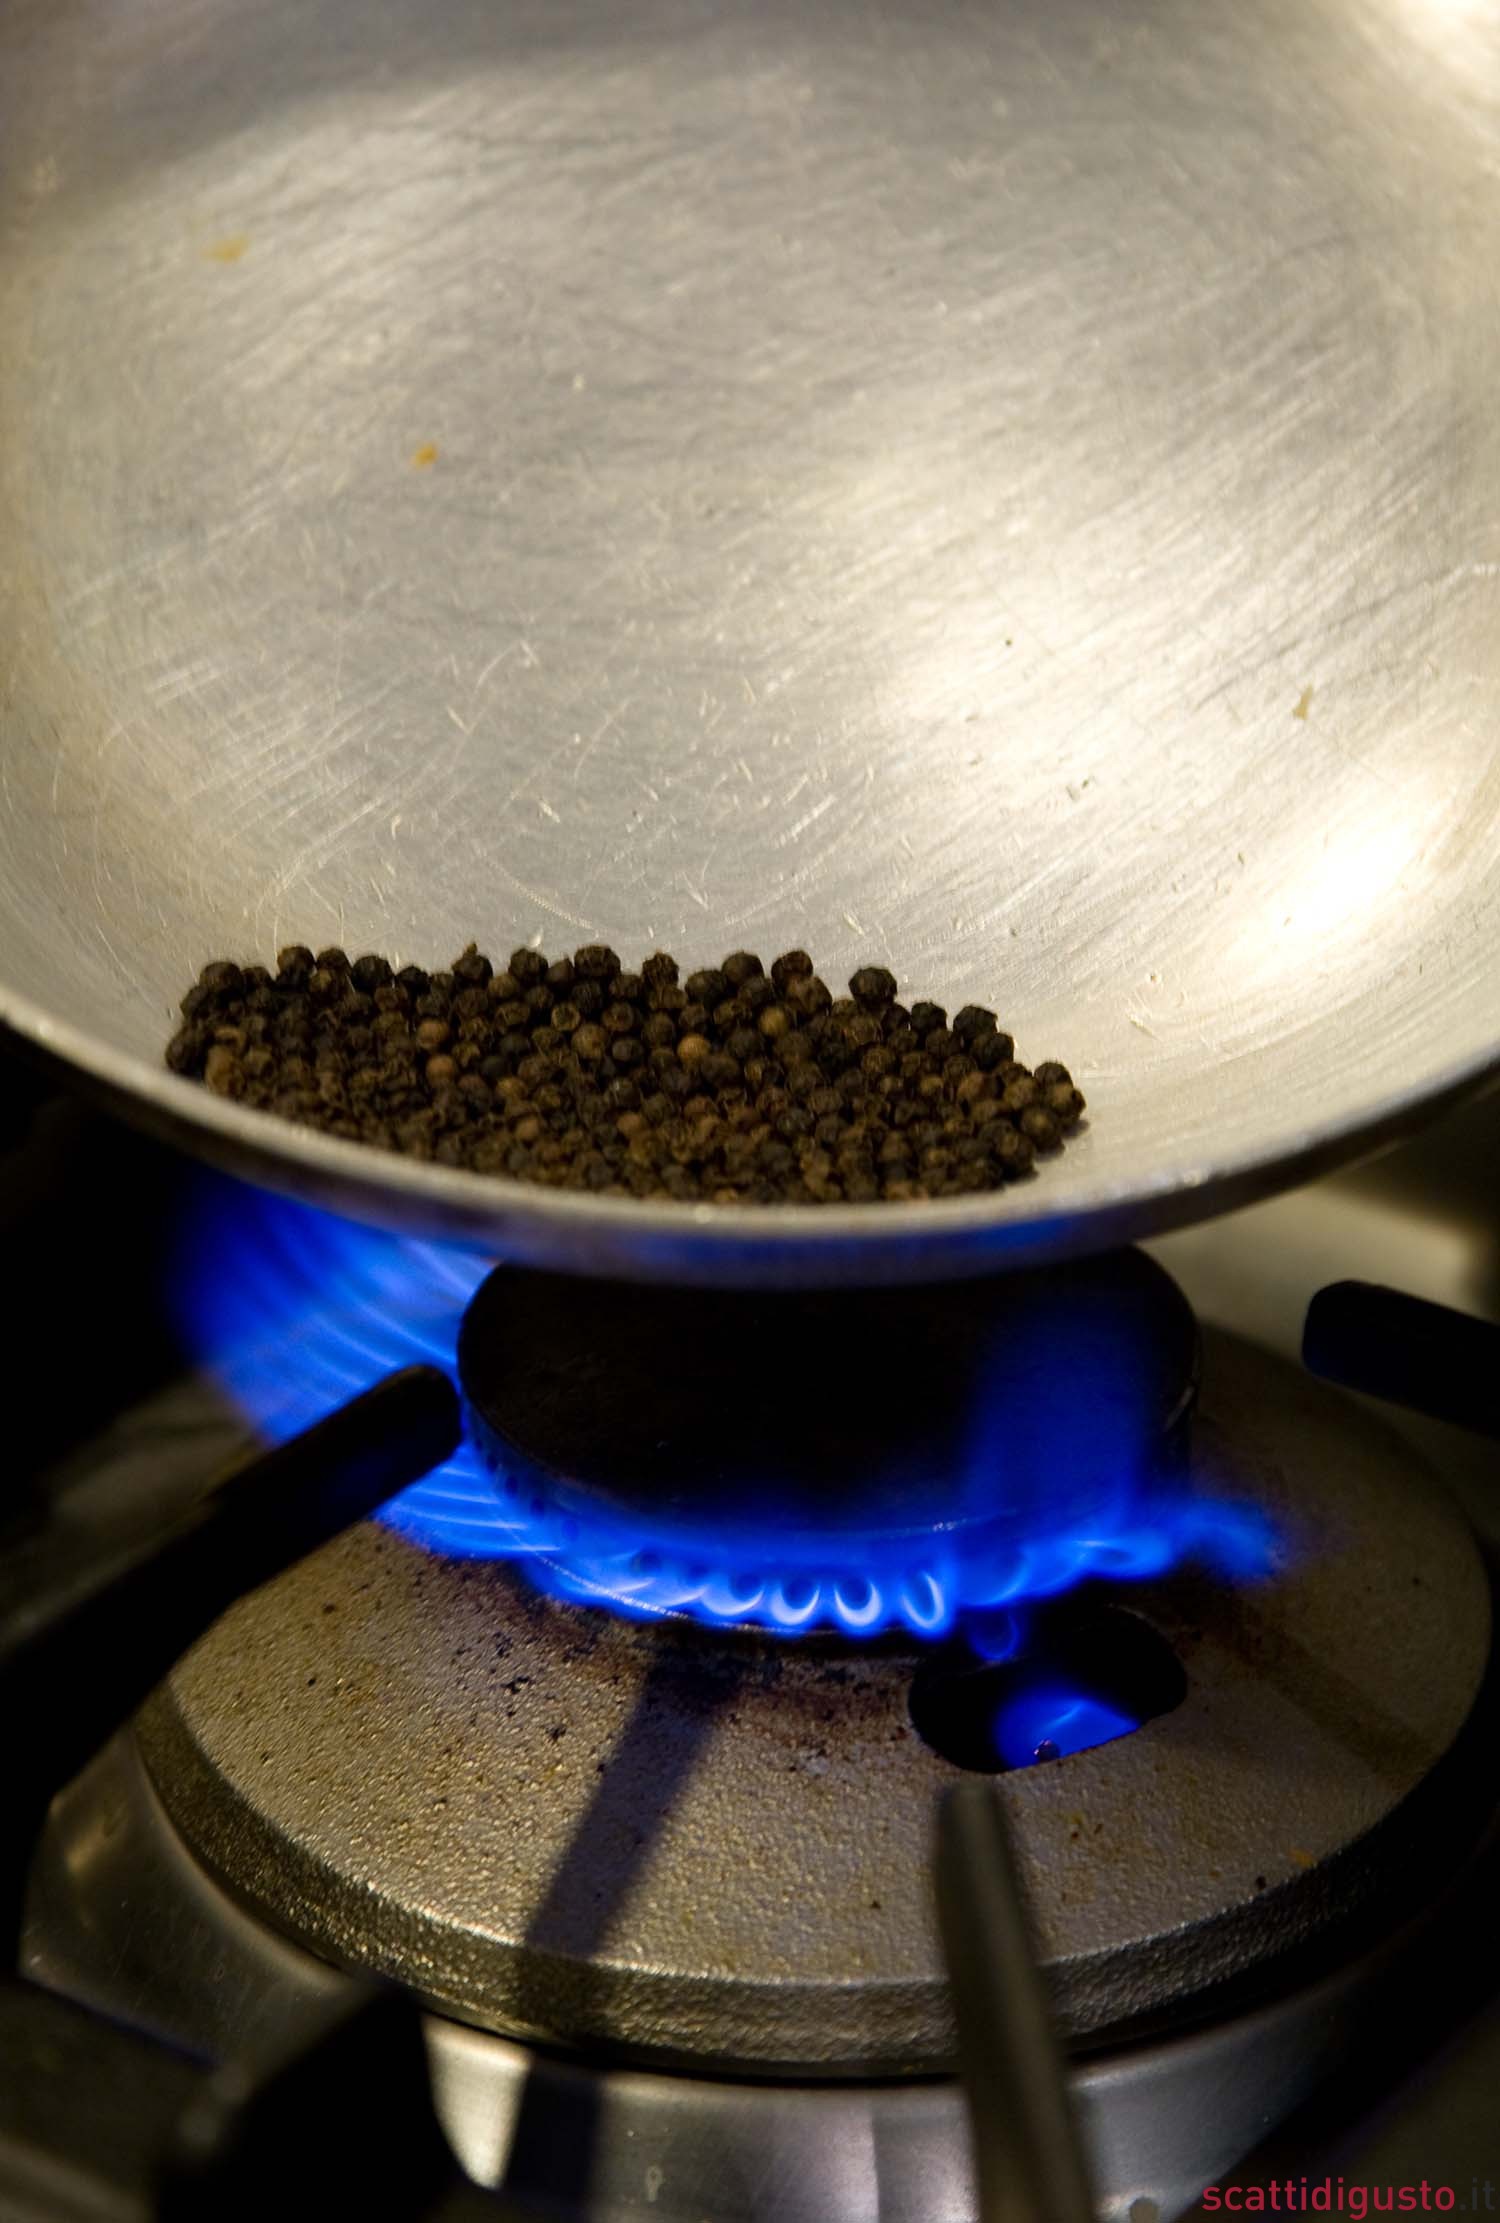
(1088,1673)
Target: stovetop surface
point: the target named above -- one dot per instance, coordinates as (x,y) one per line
(85,1209)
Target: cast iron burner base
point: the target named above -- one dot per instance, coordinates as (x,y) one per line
(597,1833)
(574,2141)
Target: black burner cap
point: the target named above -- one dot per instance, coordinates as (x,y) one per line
(904,1408)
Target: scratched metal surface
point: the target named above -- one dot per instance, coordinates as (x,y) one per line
(1013,491)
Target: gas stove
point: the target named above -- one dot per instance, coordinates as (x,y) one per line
(716,1784)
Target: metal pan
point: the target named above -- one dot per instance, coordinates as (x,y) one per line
(1012,492)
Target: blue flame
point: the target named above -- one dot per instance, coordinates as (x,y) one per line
(1053,1714)
(293,1311)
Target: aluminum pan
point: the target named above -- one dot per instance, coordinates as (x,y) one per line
(1008,493)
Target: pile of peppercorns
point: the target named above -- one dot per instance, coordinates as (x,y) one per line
(735,1085)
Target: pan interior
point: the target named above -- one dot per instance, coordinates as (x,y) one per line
(1008,493)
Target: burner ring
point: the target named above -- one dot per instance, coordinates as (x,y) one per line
(854,1460)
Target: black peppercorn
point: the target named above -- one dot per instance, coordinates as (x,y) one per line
(743,966)
(809,997)
(1012,1152)
(707,988)
(187,1050)
(991,1051)
(596,962)
(472,970)
(222,979)
(369,973)
(873,987)
(793,964)
(719,1071)
(222,1071)
(1043,1128)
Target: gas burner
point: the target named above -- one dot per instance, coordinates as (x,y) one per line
(852,1463)
(568,1827)
(664,1886)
